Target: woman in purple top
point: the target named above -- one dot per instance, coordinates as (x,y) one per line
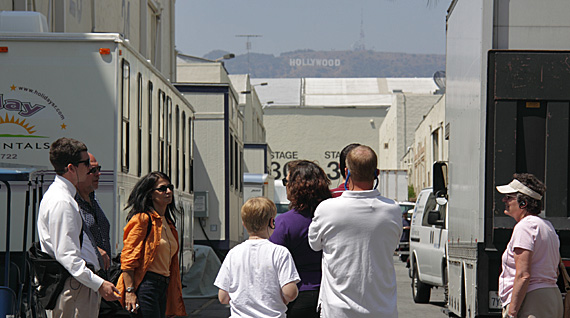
(307,186)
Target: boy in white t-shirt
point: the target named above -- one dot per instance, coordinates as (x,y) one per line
(258,278)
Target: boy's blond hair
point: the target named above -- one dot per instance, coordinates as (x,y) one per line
(256,213)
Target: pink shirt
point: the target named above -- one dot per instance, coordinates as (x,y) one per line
(537,235)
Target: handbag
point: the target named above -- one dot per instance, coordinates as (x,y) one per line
(565,296)
(48,276)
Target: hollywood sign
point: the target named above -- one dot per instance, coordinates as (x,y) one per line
(314,62)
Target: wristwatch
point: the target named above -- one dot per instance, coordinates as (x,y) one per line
(130,289)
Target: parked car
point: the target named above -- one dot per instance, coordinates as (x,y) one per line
(403,249)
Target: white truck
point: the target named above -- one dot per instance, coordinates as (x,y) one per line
(98,89)
(507,111)
(428,242)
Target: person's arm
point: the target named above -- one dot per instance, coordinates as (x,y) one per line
(289,292)
(130,298)
(523,260)
(224,297)
(132,254)
(65,230)
(106,258)
(315,232)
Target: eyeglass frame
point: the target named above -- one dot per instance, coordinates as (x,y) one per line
(164,187)
(87,162)
(284,181)
(271,223)
(94,170)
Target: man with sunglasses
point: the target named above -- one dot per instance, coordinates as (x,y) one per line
(94,218)
(61,236)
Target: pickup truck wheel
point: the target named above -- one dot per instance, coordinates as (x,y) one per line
(420,291)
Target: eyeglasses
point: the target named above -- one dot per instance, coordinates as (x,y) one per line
(86,162)
(163,188)
(94,170)
(284,180)
(272,222)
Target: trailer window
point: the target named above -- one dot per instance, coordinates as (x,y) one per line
(176,158)
(125,112)
(231,160)
(191,153)
(169,137)
(161,142)
(140,122)
(236,164)
(183,175)
(149,150)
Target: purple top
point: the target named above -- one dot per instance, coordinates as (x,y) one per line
(291,230)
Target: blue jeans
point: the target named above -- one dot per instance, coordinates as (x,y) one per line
(151,295)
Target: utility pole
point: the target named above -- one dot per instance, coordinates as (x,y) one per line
(248,46)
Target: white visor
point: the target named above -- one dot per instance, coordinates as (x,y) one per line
(516,186)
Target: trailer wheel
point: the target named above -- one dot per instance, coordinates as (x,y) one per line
(420,291)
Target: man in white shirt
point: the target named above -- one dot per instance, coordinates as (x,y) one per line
(358,233)
(59,229)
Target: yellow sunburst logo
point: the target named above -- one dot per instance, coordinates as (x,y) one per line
(21,123)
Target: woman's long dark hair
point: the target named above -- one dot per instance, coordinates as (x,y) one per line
(140,199)
(307,186)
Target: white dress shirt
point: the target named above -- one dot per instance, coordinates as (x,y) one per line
(59,227)
(358,233)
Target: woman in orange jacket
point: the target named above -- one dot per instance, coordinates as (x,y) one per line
(150,283)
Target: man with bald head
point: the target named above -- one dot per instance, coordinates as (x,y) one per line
(358,233)
(93,216)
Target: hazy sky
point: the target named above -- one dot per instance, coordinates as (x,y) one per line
(410,26)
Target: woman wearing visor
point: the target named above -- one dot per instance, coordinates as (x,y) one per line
(527,285)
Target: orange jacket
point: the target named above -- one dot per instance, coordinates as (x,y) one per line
(138,254)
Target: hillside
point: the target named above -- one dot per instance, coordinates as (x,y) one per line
(308,63)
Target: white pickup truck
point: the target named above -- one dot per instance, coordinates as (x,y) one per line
(428,246)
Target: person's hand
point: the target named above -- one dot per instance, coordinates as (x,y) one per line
(109,292)
(131,304)
(106,258)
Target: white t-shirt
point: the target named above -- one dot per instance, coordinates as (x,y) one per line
(358,233)
(537,235)
(253,274)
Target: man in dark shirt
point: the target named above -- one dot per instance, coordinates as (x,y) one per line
(93,216)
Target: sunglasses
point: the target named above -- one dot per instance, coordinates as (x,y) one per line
(86,162)
(94,170)
(284,180)
(272,222)
(163,188)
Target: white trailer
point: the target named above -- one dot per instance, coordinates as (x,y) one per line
(99,90)
(394,184)
(508,95)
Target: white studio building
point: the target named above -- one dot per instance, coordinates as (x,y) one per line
(314,118)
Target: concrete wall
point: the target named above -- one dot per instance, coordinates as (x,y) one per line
(429,145)
(319,134)
(396,133)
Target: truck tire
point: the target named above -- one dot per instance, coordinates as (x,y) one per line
(420,291)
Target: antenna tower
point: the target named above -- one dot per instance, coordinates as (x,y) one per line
(359,45)
(248,46)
